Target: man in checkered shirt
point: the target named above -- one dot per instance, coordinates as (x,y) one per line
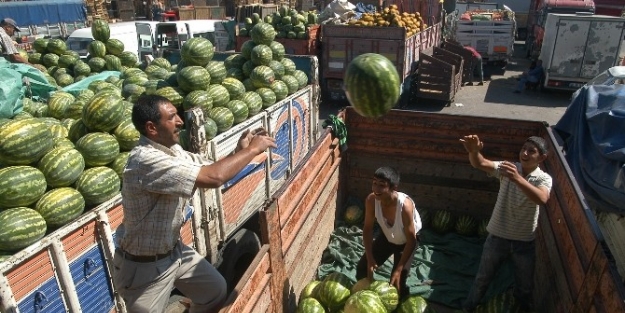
(8,27)
(158,181)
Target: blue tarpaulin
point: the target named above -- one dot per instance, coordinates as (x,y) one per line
(593,130)
(27,13)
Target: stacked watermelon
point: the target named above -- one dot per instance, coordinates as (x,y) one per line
(444,221)
(63,67)
(336,292)
(288,23)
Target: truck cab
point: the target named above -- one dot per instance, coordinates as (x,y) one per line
(170,36)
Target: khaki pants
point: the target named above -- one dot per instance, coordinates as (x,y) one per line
(146,287)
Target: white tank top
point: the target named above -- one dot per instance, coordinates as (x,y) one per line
(395,234)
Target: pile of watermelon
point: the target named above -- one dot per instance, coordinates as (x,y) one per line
(288,23)
(444,221)
(64,67)
(338,293)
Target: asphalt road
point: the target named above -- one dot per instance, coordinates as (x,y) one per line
(495,98)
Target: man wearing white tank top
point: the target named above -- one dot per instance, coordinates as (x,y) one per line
(397,215)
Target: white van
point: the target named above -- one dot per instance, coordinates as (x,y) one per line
(126,32)
(146,30)
(170,36)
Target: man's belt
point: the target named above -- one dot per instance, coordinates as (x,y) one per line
(144,258)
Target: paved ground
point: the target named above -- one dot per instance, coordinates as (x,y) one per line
(495,98)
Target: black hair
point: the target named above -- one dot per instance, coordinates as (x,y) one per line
(540,144)
(147,109)
(388,174)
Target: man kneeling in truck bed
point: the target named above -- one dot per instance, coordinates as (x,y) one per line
(523,187)
(158,180)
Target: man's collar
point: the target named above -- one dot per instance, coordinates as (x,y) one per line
(144,141)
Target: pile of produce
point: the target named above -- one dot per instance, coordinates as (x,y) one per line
(443,221)
(64,67)
(338,293)
(487,15)
(288,23)
(66,155)
(391,17)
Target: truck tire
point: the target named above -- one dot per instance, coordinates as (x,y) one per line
(237,255)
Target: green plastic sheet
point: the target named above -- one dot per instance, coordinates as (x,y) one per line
(84,83)
(13,87)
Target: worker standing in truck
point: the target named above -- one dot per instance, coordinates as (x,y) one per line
(476,64)
(397,215)
(158,181)
(512,226)
(8,27)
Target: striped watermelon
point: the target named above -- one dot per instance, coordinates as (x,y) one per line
(339,278)
(210,128)
(77,130)
(217,71)
(354,215)
(263,33)
(197,51)
(291,82)
(97,64)
(132,92)
(247,68)
(193,78)
(503,302)
(50,59)
(223,117)
(162,63)
(220,95)
(119,164)
(60,206)
(98,148)
(152,85)
(198,98)
(269,97)
(249,86)
(126,134)
(277,50)
(301,77)
(64,143)
(114,46)
(234,61)
(234,86)
(183,139)
(387,294)
(333,295)
(81,68)
(307,291)
(289,66)
(158,73)
(64,80)
(20,227)
(34,58)
(466,225)
(112,63)
(442,221)
(24,141)
(132,72)
(277,68)
(235,73)
(41,45)
(482,232)
(280,89)
(254,102)
(100,30)
(261,55)
(67,61)
(246,49)
(20,186)
(104,112)
(173,94)
(262,76)
(97,48)
(57,46)
(310,305)
(362,284)
(98,184)
(239,110)
(414,304)
(372,84)
(58,103)
(364,301)
(85,95)
(128,59)
(58,131)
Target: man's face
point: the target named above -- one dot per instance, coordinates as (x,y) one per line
(380,188)
(10,30)
(167,131)
(530,155)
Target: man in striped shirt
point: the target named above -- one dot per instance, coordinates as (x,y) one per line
(8,27)
(523,188)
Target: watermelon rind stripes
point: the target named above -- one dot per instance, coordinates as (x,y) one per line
(20,227)
(98,184)
(21,186)
(59,206)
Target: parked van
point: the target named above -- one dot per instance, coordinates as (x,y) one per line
(170,36)
(146,30)
(126,32)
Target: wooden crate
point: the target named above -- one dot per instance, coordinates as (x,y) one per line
(126,15)
(434,79)
(454,60)
(210,13)
(308,46)
(185,13)
(466,55)
(244,11)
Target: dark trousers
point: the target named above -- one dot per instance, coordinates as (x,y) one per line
(382,250)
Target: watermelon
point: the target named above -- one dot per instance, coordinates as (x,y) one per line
(41,45)
(362,284)
(246,49)
(131,72)
(162,63)
(97,48)
(63,143)
(289,66)
(59,206)
(268,96)
(261,55)
(193,78)
(414,304)
(262,76)
(210,128)
(98,184)
(128,58)
(56,46)
(159,73)
(198,98)
(249,86)
(310,305)
(332,294)
(481,228)
(173,94)
(114,46)
(442,221)
(20,227)
(112,63)
(61,166)
(77,130)
(291,82)
(81,68)
(104,112)
(20,186)
(235,87)
(50,59)
(100,30)
(152,85)
(64,80)
(247,68)
(372,84)
(126,134)
(354,215)
(223,117)
(340,278)
(98,148)
(425,217)
(197,51)
(97,64)
(217,71)
(35,58)
(364,301)
(58,103)
(119,164)
(239,110)
(277,50)
(307,292)
(280,89)
(466,225)
(263,33)
(254,102)
(24,141)
(388,294)
(234,61)
(183,139)
(67,61)
(277,68)
(503,302)
(132,92)
(235,73)
(220,95)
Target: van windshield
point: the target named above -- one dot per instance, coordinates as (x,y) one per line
(78,44)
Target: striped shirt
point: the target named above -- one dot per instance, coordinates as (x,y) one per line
(8,48)
(157,184)
(515,216)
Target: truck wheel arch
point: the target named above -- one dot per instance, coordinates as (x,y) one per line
(237,254)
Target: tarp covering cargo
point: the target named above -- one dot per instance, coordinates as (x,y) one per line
(593,130)
(27,13)
(17,80)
